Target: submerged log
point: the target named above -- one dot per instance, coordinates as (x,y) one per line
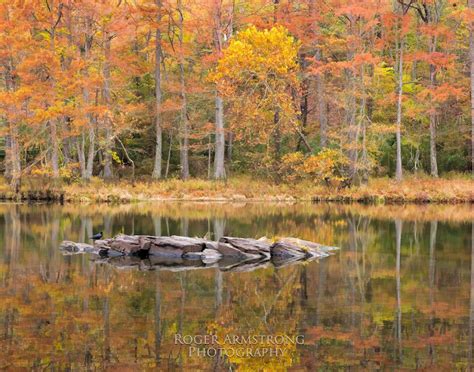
(184,253)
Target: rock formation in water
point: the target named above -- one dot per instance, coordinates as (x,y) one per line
(184,253)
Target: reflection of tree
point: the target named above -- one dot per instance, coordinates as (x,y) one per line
(182,283)
(108,223)
(432,266)
(184,226)
(398,327)
(106,317)
(471,309)
(158,322)
(12,249)
(219,227)
(157,225)
(12,243)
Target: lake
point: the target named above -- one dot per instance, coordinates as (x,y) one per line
(399,294)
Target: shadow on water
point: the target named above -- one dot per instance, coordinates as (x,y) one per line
(399,294)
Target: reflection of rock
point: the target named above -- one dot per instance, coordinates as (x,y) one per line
(184,253)
(208,256)
(236,264)
(68,247)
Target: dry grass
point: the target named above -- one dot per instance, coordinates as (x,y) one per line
(382,190)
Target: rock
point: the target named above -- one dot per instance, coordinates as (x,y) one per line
(178,253)
(283,249)
(235,247)
(175,245)
(294,247)
(143,245)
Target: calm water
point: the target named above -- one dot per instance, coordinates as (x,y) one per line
(398,295)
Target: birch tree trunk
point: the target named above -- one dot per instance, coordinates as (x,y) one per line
(183,127)
(219,169)
(159,143)
(398,171)
(87,163)
(322,107)
(107,101)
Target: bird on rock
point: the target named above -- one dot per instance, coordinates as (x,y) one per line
(96,236)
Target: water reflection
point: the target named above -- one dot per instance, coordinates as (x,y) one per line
(399,294)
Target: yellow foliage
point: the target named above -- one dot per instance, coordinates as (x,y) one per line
(256,75)
(328,165)
(259,54)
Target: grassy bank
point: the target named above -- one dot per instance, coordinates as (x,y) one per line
(382,190)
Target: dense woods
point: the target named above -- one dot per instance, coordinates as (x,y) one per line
(336,91)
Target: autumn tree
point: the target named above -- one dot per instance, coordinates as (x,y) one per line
(256,73)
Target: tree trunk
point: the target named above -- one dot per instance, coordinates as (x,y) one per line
(169,156)
(230,144)
(159,143)
(12,153)
(53,123)
(351,108)
(14,157)
(276,139)
(183,129)
(86,163)
(433,157)
(80,148)
(219,170)
(55,148)
(322,106)
(398,171)
(7,161)
(91,152)
(107,100)
(319,78)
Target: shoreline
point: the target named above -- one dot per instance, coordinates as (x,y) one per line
(244,189)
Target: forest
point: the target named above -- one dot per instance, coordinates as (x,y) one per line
(332,91)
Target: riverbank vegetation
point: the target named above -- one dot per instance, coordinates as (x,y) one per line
(306,99)
(246,188)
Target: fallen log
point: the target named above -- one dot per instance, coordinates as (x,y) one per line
(184,253)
